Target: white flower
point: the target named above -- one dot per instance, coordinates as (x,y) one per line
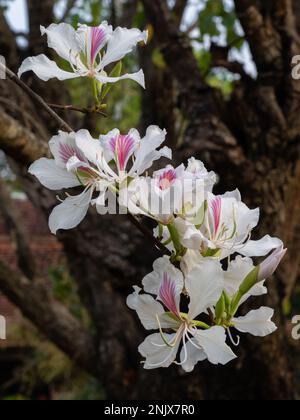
(237,271)
(84,50)
(74,165)
(97,165)
(258,322)
(170,192)
(204,286)
(198,171)
(121,149)
(226,229)
(158,197)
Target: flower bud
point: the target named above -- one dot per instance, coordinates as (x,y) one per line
(270,264)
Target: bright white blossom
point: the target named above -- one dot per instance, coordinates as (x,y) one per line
(193,296)
(89,50)
(172,191)
(98,165)
(204,286)
(226,229)
(129,156)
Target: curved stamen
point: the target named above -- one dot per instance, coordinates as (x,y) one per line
(235,343)
(185,353)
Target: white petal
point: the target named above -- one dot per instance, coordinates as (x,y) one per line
(90,147)
(105,141)
(258,289)
(157,353)
(138,77)
(204,285)
(70,212)
(190,356)
(45,69)
(261,247)
(257,322)
(213,342)
(63,147)
(52,176)
(148,309)
(84,36)
(121,43)
(62,38)
(190,236)
(112,146)
(190,260)
(147,152)
(152,281)
(237,270)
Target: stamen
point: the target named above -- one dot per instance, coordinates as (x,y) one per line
(122,147)
(235,343)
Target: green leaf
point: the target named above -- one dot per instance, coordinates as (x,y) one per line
(212,253)
(220,309)
(200,216)
(249,281)
(158,59)
(116,72)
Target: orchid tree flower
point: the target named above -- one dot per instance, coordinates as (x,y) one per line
(127,157)
(171,192)
(88,50)
(120,149)
(198,170)
(226,229)
(243,280)
(80,160)
(73,166)
(204,286)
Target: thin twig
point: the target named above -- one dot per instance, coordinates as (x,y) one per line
(12,76)
(78,109)
(149,235)
(63,124)
(70,5)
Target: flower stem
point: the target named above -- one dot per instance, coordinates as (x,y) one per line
(175,238)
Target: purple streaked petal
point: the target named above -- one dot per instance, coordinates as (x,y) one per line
(167,294)
(216,206)
(122,147)
(67,151)
(167,179)
(97,38)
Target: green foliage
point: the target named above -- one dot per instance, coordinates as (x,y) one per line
(216,18)
(222,80)
(64,290)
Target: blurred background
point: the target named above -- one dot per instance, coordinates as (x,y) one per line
(218,76)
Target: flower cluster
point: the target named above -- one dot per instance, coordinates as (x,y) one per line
(194,293)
